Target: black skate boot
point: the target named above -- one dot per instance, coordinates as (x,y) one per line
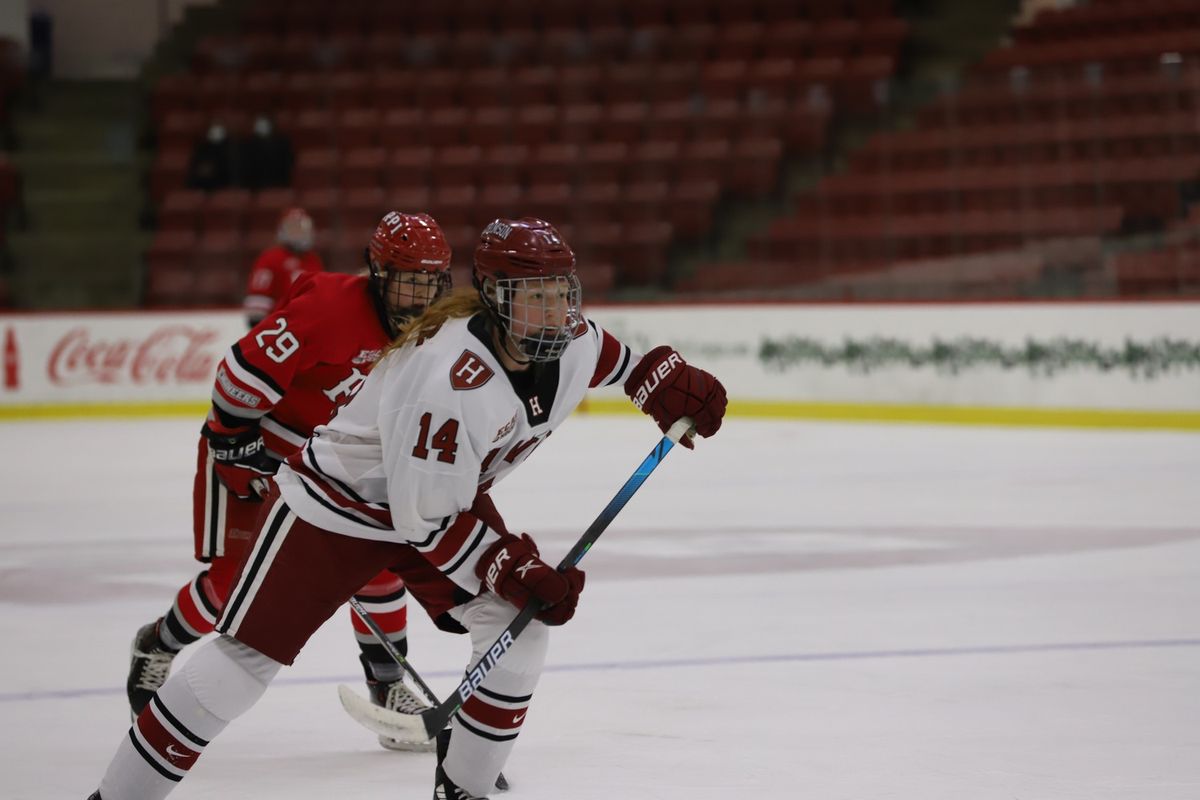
(443,787)
(149,663)
(396,696)
(95,796)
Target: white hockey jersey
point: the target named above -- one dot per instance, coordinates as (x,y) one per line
(432,425)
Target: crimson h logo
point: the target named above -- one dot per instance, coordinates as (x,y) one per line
(469,372)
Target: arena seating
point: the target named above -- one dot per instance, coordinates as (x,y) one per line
(1084,125)
(624,122)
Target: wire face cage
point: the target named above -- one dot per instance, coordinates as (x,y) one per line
(539,315)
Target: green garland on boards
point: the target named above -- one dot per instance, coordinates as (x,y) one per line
(1141,360)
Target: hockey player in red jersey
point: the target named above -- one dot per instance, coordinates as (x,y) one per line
(399,479)
(278,267)
(289,374)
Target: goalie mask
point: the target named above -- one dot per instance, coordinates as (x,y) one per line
(409,262)
(295,230)
(525,274)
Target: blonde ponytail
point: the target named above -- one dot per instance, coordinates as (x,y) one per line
(456,305)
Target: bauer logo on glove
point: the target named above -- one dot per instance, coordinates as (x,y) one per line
(651,383)
(668,388)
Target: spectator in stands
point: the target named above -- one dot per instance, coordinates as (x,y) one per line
(265,156)
(280,264)
(211,165)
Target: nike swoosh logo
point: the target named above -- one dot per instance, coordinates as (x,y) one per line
(517,719)
(174,754)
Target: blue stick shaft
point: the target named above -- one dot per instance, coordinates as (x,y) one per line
(439,716)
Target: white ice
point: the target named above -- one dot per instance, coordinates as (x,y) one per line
(790,611)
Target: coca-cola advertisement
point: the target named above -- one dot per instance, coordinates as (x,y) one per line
(122,359)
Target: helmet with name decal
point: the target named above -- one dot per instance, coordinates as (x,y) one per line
(409,262)
(525,273)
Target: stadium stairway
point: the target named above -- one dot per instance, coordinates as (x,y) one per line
(77,154)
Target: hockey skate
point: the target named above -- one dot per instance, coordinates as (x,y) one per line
(394,695)
(443,787)
(149,663)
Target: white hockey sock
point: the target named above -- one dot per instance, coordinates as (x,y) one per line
(486,727)
(221,681)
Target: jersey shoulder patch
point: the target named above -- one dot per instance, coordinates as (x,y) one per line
(469,372)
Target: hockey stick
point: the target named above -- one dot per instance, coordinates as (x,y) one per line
(398,657)
(425,726)
(370,622)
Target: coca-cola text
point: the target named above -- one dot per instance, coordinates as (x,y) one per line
(169,354)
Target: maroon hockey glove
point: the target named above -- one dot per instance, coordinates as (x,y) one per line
(511,568)
(667,388)
(241,462)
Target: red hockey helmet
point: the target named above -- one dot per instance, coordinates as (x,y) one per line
(409,262)
(296,230)
(525,273)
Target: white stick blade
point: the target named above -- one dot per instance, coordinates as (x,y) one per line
(382,721)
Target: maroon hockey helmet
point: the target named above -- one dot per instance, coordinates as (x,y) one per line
(409,262)
(525,273)
(523,248)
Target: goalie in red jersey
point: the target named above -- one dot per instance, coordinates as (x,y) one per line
(281,265)
(287,375)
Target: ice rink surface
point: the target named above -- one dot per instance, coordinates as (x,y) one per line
(791,611)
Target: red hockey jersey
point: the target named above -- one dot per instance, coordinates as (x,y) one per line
(273,275)
(293,370)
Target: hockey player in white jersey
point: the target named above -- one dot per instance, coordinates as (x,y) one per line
(399,479)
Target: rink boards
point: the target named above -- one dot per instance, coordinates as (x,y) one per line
(1074,364)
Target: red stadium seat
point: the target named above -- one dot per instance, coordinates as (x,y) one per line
(219,250)
(499,200)
(490,125)
(642,201)
(754,166)
(358,127)
(487,86)
(316,168)
(554,163)
(321,203)
(504,163)
(454,205)
(548,200)
(625,122)
(363,207)
(227,209)
(267,207)
(180,210)
(402,127)
(581,122)
(604,162)
(446,126)
(410,199)
(536,125)
(597,203)
(654,159)
(690,210)
(456,164)
(168,172)
(409,166)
